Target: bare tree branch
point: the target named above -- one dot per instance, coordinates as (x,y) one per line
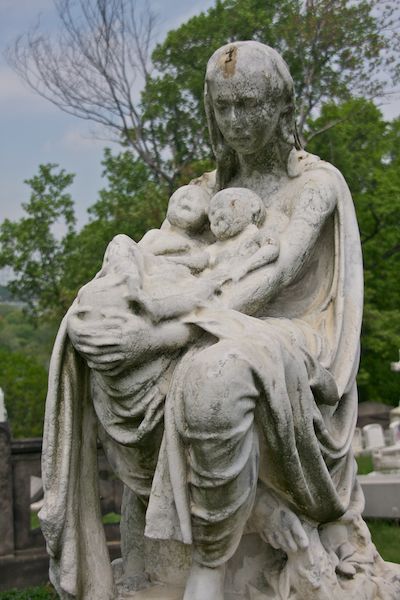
(94,68)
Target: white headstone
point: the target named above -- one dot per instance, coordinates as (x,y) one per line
(357,443)
(386,459)
(373,436)
(394,432)
(3,411)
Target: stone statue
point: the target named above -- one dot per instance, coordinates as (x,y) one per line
(216,361)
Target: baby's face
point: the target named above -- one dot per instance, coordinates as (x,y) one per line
(228,216)
(187,208)
(99,294)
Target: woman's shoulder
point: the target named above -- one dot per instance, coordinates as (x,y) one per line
(301,162)
(310,170)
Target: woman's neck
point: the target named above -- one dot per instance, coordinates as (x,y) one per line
(271,160)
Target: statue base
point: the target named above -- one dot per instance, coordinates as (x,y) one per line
(257,572)
(155,592)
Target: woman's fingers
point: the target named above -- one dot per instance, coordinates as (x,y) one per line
(80,310)
(289,536)
(96,350)
(105,359)
(113,338)
(107,362)
(273,540)
(300,536)
(114,315)
(290,544)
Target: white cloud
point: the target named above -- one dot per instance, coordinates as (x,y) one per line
(16,95)
(75,139)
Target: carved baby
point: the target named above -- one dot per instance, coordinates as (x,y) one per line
(136,279)
(164,285)
(184,233)
(236,215)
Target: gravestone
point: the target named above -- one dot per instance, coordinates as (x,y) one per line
(373,436)
(357,443)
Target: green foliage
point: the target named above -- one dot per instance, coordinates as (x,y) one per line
(386,537)
(5,294)
(49,259)
(19,333)
(45,592)
(24,382)
(32,246)
(333,49)
(111,518)
(131,203)
(364,464)
(366,149)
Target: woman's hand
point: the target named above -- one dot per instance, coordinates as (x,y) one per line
(112,341)
(278,525)
(119,339)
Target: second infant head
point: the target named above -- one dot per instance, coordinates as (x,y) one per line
(233,209)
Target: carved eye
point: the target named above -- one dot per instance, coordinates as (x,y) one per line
(251,102)
(221,105)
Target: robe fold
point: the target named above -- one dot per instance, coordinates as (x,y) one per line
(307,429)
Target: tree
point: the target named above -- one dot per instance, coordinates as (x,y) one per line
(93,67)
(131,203)
(24,382)
(32,246)
(50,261)
(334,48)
(18,333)
(367,151)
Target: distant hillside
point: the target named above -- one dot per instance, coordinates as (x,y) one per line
(5,295)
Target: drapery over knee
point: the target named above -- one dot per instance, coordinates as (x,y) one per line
(217,427)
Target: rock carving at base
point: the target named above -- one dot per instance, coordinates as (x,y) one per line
(216,361)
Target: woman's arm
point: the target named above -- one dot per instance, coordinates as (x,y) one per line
(119,340)
(316,202)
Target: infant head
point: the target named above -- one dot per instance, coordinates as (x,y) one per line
(187,208)
(110,288)
(233,209)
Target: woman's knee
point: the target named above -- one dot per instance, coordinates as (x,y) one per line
(219,389)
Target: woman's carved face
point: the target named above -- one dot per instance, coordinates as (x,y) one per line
(247,103)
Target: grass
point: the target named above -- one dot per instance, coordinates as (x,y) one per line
(386,537)
(365,465)
(43,592)
(111,518)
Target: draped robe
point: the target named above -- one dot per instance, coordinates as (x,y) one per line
(315,321)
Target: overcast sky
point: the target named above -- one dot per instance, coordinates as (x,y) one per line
(33,131)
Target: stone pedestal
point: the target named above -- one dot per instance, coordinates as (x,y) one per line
(256,572)
(155,592)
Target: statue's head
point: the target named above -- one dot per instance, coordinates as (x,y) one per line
(249,99)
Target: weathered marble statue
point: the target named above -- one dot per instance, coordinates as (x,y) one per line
(216,360)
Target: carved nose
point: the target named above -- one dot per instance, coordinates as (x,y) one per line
(236,121)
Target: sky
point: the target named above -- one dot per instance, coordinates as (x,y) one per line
(33,131)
